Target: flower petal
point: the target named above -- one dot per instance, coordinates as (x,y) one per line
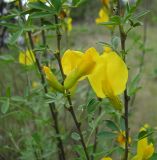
(117,72)
(84,67)
(142,144)
(148,151)
(27,58)
(70,60)
(96,77)
(103,16)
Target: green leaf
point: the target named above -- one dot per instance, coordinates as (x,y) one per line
(40,14)
(7,17)
(144,134)
(15,36)
(154,157)
(76,3)
(9,25)
(40,6)
(106,134)
(5,106)
(92,105)
(115,42)
(133,87)
(7,58)
(18,99)
(75,136)
(141,14)
(57,5)
(110,124)
(8,92)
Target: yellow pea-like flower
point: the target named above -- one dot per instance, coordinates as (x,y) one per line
(109,77)
(77,66)
(51,78)
(27,57)
(144,149)
(106,158)
(121,139)
(103,16)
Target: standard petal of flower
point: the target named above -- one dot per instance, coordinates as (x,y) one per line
(85,67)
(70,60)
(88,62)
(117,72)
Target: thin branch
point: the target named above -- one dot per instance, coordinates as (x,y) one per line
(52,106)
(70,109)
(123,37)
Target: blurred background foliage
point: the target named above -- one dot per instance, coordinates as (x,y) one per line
(25,121)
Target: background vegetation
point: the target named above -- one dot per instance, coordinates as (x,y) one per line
(26,129)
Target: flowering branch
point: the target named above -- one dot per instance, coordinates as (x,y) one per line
(70,109)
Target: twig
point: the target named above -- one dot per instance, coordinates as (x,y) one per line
(70,109)
(123,37)
(52,106)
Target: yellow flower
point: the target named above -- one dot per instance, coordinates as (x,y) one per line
(109,78)
(103,16)
(69,24)
(121,139)
(77,66)
(144,128)
(107,73)
(51,78)
(144,150)
(106,158)
(27,57)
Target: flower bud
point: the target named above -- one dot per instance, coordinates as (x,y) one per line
(51,78)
